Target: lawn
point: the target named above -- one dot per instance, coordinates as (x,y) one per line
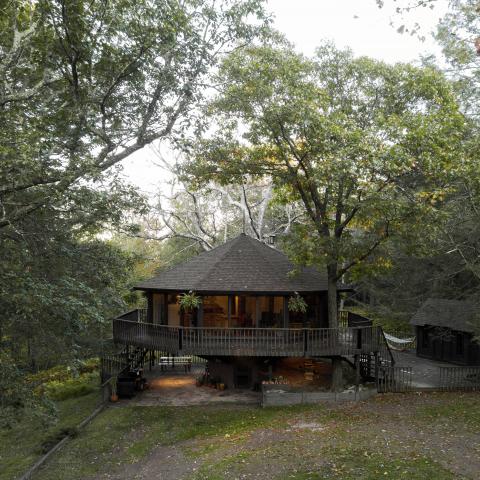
(23,445)
(414,436)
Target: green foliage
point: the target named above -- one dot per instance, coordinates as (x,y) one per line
(18,398)
(83,85)
(189,301)
(73,387)
(297,304)
(370,150)
(61,373)
(21,445)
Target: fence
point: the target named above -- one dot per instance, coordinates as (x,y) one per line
(394,379)
(460,378)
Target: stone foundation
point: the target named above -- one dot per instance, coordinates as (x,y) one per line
(278,395)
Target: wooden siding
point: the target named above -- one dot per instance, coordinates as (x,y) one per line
(447,346)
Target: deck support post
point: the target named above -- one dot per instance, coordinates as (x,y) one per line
(376,370)
(127,355)
(357,374)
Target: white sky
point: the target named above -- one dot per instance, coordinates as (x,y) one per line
(358,24)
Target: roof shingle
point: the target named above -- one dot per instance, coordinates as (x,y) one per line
(242,264)
(440,312)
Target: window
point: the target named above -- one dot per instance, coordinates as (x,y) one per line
(159,313)
(173,310)
(215,311)
(459,343)
(271,312)
(425,337)
(244,310)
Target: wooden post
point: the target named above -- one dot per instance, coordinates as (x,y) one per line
(357,374)
(258,315)
(149,307)
(286,319)
(229,311)
(200,316)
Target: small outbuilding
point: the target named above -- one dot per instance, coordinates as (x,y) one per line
(445,331)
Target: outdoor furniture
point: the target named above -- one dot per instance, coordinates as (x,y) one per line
(186,361)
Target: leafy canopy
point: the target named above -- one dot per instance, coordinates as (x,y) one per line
(369,148)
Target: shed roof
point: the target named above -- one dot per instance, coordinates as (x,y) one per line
(242,264)
(441,312)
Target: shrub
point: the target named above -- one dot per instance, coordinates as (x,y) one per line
(74,387)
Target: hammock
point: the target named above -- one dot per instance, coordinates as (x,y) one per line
(396,343)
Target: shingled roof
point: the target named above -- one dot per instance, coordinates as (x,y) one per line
(440,312)
(242,264)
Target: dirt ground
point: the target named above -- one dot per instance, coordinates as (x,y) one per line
(402,434)
(180,390)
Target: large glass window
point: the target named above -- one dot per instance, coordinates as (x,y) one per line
(159,311)
(271,312)
(173,310)
(243,313)
(215,311)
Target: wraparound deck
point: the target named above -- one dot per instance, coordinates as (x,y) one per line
(259,342)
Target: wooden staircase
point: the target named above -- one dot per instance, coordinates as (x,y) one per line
(115,364)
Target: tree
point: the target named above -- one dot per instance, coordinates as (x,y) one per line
(83,85)
(367,147)
(211,215)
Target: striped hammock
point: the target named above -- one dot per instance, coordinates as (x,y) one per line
(396,343)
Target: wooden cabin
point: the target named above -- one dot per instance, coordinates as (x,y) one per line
(445,332)
(243,322)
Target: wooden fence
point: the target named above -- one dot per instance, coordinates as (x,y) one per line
(394,379)
(460,378)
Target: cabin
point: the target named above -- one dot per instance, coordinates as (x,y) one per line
(243,324)
(445,333)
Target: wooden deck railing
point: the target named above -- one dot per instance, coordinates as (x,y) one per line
(286,342)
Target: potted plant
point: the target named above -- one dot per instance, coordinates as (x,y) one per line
(189,301)
(113,389)
(297,304)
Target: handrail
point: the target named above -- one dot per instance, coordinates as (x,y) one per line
(387,347)
(249,341)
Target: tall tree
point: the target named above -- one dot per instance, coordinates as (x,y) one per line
(83,85)
(367,147)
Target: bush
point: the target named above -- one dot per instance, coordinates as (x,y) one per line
(62,373)
(74,387)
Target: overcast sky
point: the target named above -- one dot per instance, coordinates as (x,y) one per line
(358,24)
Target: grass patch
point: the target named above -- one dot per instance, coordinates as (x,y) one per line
(464,409)
(129,433)
(358,441)
(357,464)
(21,446)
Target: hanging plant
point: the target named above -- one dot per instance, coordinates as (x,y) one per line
(297,304)
(189,301)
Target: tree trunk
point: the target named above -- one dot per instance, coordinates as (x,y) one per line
(337,375)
